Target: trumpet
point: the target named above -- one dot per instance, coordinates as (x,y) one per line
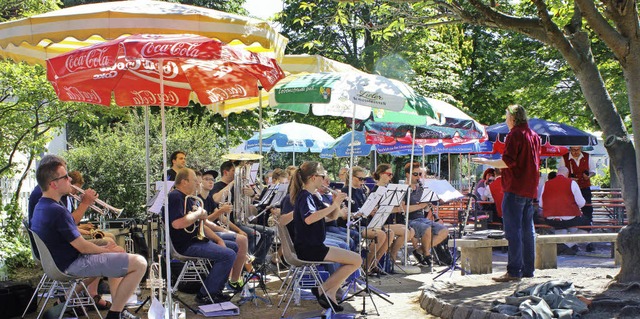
(200,203)
(106,208)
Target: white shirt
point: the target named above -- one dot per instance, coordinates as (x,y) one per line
(592,164)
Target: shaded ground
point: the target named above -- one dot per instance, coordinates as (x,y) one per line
(591,274)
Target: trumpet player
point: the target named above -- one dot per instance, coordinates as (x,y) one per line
(73,254)
(184,226)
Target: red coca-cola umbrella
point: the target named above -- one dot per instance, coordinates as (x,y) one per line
(160,69)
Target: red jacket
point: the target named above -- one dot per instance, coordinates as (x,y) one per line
(578,170)
(497,194)
(522,156)
(558,199)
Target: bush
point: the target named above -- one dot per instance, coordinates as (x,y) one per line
(15,251)
(604,180)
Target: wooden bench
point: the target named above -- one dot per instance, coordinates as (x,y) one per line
(476,254)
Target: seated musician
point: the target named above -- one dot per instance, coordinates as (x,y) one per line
(260,237)
(494,193)
(308,216)
(215,211)
(184,231)
(86,230)
(71,253)
(178,161)
(428,232)
(277,176)
(378,246)
(383,176)
(561,201)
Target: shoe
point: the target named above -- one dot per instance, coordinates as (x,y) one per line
(506,278)
(125,314)
(418,256)
(565,250)
(426,261)
(236,286)
(205,300)
(590,248)
(105,306)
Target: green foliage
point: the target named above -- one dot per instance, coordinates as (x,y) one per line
(603,180)
(15,251)
(17,9)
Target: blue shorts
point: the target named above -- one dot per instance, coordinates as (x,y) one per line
(112,265)
(420,225)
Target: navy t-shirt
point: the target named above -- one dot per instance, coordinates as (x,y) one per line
(416,195)
(171,174)
(33,200)
(180,238)
(57,229)
(209,204)
(314,234)
(285,208)
(217,187)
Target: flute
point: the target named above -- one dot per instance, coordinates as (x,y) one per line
(335,192)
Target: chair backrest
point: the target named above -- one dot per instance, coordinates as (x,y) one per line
(175,254)
(32,243)
(48,264)
(288,251)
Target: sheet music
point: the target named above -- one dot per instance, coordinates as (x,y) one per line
(372,201)
(377,221)
(395,193)
(443,189)
(280,194)
(266,199)
(253,172)
(156,208)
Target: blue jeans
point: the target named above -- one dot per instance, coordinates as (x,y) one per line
(222,258)
(519,231)
(354,234)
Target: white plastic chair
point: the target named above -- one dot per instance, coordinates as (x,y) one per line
(192,270)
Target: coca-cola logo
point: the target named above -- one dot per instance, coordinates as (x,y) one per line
(146,97)
(221,94)
(178,49)
(95,58)
(75,94)
(169,69)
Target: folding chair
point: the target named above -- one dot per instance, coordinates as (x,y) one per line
(193,269)
(66,282)
(299,268)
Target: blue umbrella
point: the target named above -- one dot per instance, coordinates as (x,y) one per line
(291,137)
(405,149)
(342,146)
(557,134)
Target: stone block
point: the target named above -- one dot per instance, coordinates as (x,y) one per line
(495,315)
(436,308)
(447,311)
(479,314)
(461,313)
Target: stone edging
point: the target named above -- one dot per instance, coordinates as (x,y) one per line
(434,306)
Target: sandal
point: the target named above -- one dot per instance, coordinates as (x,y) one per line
(105,306)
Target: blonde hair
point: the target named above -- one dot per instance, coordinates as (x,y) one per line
(518,112)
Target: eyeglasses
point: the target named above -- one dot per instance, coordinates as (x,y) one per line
(320,175)
(360,178)
(416,174)
(208,179)
(388,174)
(65,176)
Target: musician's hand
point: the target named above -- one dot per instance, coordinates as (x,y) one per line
(339,197)
(89,197)
(112,247)
(86,227)
(275,212)
(373,211)
(225,208)
(247,191)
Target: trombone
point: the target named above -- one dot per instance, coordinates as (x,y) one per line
(106,208)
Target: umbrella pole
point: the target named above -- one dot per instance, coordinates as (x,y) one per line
(147,165)
(439,166)
(353,129)
(167,250)
(260,126)
(406,215)
(226,131)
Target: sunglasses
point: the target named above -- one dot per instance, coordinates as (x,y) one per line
(416,174)
(320,175)
(65,176)
(360,178)
(388,174)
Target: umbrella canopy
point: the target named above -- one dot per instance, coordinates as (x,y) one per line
(552,133)
(291,137)
(342,146)
(344,94)
(44,36)
(128,68)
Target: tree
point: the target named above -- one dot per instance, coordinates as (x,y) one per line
(570,28)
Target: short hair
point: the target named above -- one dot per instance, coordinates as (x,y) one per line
(226,166)
(380,169)
(563,170)
(488,171)
(174,155)
(48,170)
(409,166)
(76,178)
(181,175)
(519,114)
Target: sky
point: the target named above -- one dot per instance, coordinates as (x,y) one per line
(263,9)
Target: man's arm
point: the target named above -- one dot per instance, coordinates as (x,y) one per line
(577,194)
(88,198)
(217,197)
(86,247)
(498,163)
